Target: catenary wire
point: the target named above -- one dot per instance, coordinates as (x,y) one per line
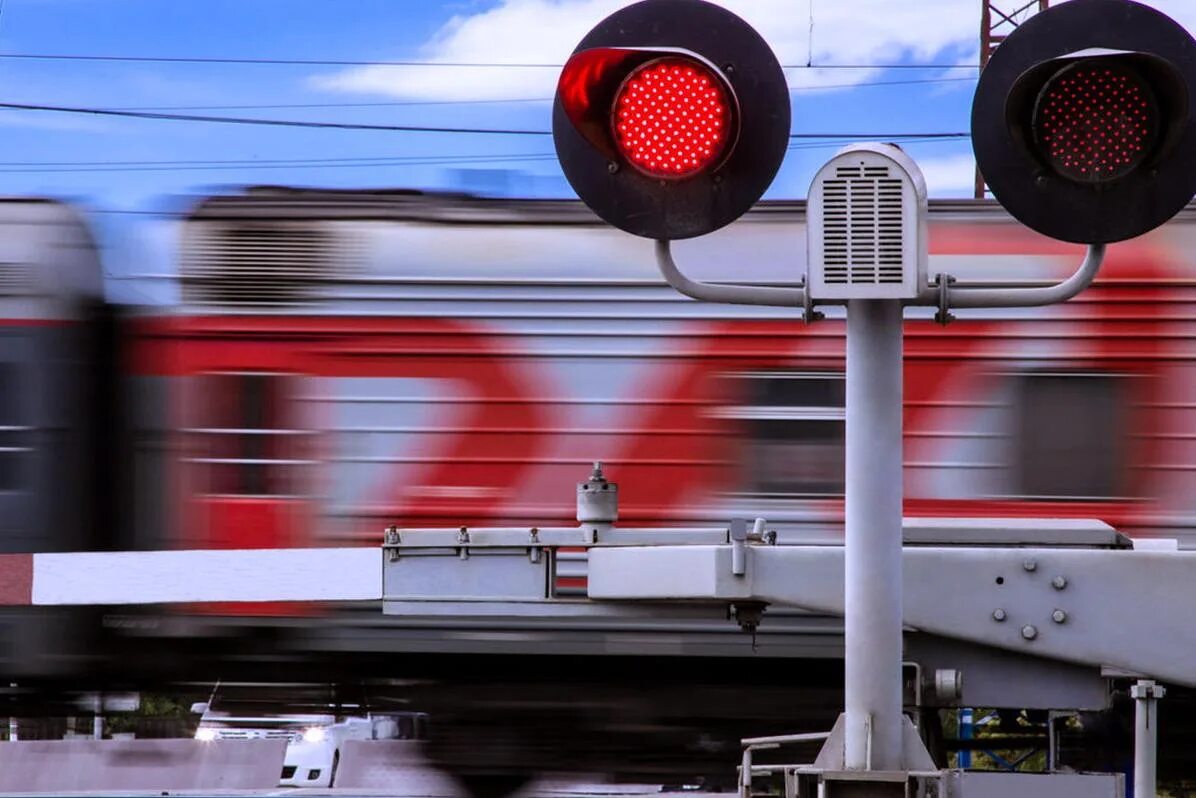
(397,63)
(239,120)
(68,167)
(250,166)
(511,101)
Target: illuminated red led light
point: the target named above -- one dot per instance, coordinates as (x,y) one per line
(1096,122)
(672,118)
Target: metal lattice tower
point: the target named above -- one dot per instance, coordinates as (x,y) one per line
(999,18)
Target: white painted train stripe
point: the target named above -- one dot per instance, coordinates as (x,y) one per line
(232,575)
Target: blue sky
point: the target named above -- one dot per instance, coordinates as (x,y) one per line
(140,165)
(137,164)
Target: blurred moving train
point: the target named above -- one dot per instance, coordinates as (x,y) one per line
(339,361)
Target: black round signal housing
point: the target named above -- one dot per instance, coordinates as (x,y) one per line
(671,118)
(1082,123)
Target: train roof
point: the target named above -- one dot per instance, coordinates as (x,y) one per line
(369,251)
(282,202)
(49,260)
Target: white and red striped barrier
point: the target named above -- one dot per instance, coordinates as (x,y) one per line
(162,577)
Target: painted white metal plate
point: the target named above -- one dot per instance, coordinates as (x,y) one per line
(492,574)
(234,575)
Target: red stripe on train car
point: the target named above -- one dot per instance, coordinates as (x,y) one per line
(320,346)
(16,579)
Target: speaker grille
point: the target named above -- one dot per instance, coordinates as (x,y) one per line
(863,226)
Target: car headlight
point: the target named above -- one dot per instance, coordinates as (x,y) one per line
(205,735)
(314,735)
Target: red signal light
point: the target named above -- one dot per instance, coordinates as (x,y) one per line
(672,117)
(1095,122)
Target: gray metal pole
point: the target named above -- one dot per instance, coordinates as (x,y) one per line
(873,489)
(13,724)
(1146,696)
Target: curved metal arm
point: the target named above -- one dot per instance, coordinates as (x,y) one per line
(962,296)
(733,294)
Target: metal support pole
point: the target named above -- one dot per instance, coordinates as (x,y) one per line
(745,773)
(1146,696)
(873,536)
(13,724)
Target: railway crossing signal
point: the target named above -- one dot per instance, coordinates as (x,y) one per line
(1082,121)
(671,118)
(1082,128)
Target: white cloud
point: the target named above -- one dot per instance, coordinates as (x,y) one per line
(949,175)
(545,31)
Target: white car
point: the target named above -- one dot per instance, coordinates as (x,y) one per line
(312,757)
(314,741)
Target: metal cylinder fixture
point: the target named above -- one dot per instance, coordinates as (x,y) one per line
(597,499)
(873,537)
(1146,695)
(739,536)
(948,684)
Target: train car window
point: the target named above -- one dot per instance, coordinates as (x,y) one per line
(14,435)
(793,425)
(246,436)
(1071,436)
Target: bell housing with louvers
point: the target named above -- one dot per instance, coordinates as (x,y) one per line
(867,236)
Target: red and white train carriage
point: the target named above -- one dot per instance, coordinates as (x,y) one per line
(341,361)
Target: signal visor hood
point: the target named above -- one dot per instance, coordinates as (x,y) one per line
(590,82)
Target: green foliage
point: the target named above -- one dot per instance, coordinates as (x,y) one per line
(159,715)
(986,724)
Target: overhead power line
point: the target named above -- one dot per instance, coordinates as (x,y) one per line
(51,167)
(880,136)
(253,164)
(371,159)
(301,106)
(397,63)
(828,144)
(510,101)
(240,120)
